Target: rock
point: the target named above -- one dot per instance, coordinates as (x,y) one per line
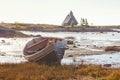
(112,48)
(2,53)
(3,41)
(110,57)
(70,40)
(70,56)
(74,46)
(107,65)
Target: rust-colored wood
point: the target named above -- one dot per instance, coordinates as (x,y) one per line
(39,54)
(38,45)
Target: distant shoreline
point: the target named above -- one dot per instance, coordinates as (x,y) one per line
(59,28)
(75,30)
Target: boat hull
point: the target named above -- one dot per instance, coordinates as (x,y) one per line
(47,55)
(51,58)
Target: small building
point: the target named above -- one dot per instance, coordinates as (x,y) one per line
(70,20)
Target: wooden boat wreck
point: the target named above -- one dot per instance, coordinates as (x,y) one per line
(45,50)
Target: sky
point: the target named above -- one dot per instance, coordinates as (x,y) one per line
(97,12)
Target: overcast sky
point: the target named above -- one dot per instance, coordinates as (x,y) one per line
(98,12)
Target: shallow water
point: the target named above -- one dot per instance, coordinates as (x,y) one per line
(109,36)
(12,59)
(13,47)
(113,59)
(88,40)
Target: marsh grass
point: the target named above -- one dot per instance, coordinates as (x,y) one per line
(33,71)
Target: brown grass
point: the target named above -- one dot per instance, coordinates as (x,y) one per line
(33,71)
(27,26)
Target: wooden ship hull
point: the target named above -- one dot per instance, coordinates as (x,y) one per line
(42,50)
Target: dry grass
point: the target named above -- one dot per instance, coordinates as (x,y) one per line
(33,71)
(27,26)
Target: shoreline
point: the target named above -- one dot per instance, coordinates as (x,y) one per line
(7,32)
(77,29)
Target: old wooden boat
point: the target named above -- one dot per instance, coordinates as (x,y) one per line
(45,50)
